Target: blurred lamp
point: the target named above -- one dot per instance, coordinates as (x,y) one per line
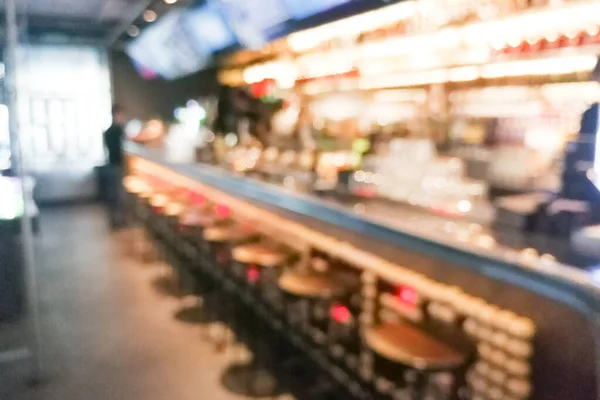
(149,16)
(133,31)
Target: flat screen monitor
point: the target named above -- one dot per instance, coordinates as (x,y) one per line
(253,20)
(257,22)
(301,9)
(207,29)
(165,49)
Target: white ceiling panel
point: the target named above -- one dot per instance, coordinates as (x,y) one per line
(79,9)
(114,10)
(83,9)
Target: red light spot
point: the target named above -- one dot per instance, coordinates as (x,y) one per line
(198,198)
(146,73)
(366,192)
(157,209)
(340,313)
(252,274)
(223,210)
(408,295)
(184,194)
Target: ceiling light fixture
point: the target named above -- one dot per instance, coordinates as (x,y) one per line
(170,1)
(133,31)
(149,16)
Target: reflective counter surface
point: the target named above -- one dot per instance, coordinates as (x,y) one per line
(546,266)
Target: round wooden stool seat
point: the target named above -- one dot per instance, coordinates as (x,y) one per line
(197,218)
(310,285)
(413,348)
(159,201)
(261,254)
(134,185)
(224,233)
(174,209)
(146,194)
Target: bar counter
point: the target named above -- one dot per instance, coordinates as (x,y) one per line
(404,245)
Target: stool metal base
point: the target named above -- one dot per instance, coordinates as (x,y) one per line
(249,380)
(167,286)
(192,315)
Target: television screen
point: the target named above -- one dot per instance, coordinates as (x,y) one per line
(141,59)
(257,22)
(300,9)
(165,49)
(207,29)
(253,20)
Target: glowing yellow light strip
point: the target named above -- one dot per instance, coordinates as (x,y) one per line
(478,39)
(353,26)
(537,67)
(544,66)
(534,24)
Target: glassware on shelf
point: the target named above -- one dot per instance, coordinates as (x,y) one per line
(413,173)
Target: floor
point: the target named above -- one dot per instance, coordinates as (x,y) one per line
(107,332)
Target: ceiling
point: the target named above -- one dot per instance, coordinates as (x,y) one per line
(90,10)
(102,21)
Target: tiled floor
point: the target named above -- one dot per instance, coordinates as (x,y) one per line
(107,332)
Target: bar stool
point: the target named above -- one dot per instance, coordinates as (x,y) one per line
(171,281)
(219,239)
(200,285)
(156,204)
(256,267)
(144,214)
(190,227)
(171,215)
(308,297)
(144,203)
(134,187)
(176,246)
(173,212)
(157,223)
(411,348)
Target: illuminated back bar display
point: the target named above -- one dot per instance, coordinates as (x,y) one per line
(443,41)
(494,89)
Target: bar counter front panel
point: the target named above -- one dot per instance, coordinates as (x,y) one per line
(560,300)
